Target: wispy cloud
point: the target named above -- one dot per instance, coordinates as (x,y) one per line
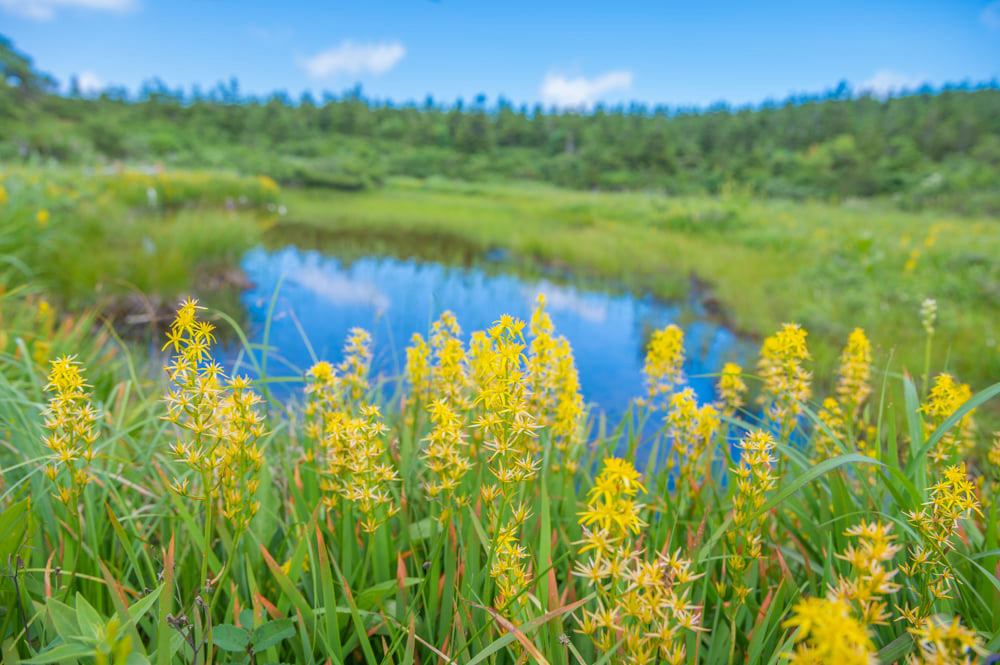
(43,10)
(886,83)
(557,298)
(350,57)
(90,83)
(580,91)
(339,290)
(990,16)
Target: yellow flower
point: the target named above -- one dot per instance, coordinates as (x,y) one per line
(4,197)
(221,416)
(664,362)
(827,633)
(853,386)
(731,388)
(832,416)
(71,421)
(418,369)
(753,478)
(940,641)
(945,398)
(872,571)
(42,217)
(786,381)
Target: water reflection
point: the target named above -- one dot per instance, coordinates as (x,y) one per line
(320,299)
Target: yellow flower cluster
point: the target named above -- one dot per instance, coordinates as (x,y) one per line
(509,433)
(356,466)
(827,634)
(952,500)
(754,478)
(871,564)
(853,384)
(786,381)
(644,603)
(450,376)
(831,415)
(693,430)
(554,386)
(505,417)
(333,392)
(418,369)
(509,570)
(664,368)
(942,642)
(842,415)
(945,398)
(70,420)
(439,369)
(220,416)
(446,456)
(353,369)
(732,388)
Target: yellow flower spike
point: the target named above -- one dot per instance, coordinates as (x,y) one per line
(664,366)
(732,388)
(853,384)
(946,396)
(787,384)
(71,421)
(832,416)
(942,641)
(827,633)
(218,413)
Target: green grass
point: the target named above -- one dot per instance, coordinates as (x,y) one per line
(120,574)
(304,585)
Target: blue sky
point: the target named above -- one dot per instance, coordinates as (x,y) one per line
(563,53)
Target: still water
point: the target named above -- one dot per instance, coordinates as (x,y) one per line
(320,298)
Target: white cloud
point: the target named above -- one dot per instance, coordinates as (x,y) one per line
(43,10)
(90,83)
(990,16)
(886,83)
(339,290)
(579,91)
(557,298)
(349,57)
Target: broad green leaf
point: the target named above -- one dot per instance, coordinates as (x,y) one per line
(271,633)
(231,638)
(64,653)
(63,619)
(90,621)
(895,651)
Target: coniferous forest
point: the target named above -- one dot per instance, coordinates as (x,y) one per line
(928,148)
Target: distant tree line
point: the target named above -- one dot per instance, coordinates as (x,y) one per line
(937,148)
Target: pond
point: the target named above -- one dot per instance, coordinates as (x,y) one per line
(319,298)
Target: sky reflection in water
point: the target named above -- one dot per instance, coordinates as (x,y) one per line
(392,299)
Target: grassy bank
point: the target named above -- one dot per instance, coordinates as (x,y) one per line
(474,521)
(828,267)
(173,517)
(118,237)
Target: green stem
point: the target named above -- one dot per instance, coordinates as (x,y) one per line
(207,535)
(927,364)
